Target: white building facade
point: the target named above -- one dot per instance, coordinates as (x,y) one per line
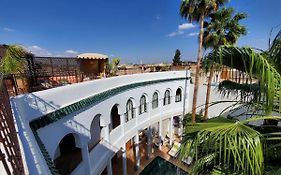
(84,125)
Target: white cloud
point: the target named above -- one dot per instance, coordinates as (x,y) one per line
(70,52)
(186,26)
(193,34)
(8,29)
(38,51)
(181,29)
(157,17)
(175,33)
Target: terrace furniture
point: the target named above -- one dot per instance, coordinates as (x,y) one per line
(175,149)
(156,141)
(188,160)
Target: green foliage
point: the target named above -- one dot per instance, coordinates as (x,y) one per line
(225,144)
(177,58)
(222,171)
(13,61)
(112,68)
(278,172)
(223,28)
(187,118)
(194,9)
(194,128)
(197,10)
(246,92)
(115,61)
(255,65)
(263,69)
(274,52)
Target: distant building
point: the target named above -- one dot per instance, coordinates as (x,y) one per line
(92,64)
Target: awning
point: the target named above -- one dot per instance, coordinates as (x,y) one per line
(92,56)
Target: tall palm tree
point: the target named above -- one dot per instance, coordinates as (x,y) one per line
(223,29)
(196,11)
(234,146)
(264,66)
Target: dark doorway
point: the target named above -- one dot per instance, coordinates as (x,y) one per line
(67,144)
(70,155)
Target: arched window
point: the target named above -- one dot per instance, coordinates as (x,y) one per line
(95,131)
(155,100)
(130,111)
(178,95)
(167,97)
(115,117)
(69,155)
(143,107)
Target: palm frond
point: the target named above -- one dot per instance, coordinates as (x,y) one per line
(202,164)
(278,172)
(233,145)
(255,65)
(193,9)
(226,144)
(223,29)
(222,171)
(12,61)
(247,92)
(275,52)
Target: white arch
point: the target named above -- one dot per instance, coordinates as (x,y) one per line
(77,143)
(95,131)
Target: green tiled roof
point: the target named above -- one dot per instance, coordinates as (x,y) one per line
(82,104)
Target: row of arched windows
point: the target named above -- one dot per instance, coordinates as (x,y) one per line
(67,145)
(130,110)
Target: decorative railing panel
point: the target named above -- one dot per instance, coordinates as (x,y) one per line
(10,153)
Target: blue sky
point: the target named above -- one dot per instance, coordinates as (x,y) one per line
(147,31)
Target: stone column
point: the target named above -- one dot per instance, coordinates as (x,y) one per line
(124,160)
(122,122)
(160,134)
(171,131)
(109,168)
(107,139)
(148,143)
(181,126)
(136,140)
(106,133)
(86,158)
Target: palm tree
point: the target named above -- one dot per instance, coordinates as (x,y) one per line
(234,146)
(12,61)
(196,11)
(223,29)
(264,66)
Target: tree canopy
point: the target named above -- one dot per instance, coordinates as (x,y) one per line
(177,58)
(223,28)
(12,61)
